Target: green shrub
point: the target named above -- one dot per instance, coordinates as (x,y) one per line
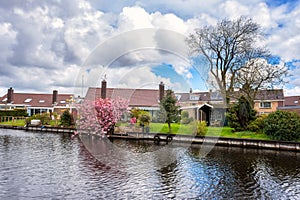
(283,125)
(144,117)
(43,117)
(200,127)
(241,114)
(258,124)
(66,119)
(14,113)
(185,119)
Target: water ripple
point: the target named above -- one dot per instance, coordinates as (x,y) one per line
(51,166)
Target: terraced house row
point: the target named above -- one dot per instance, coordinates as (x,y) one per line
(204,106)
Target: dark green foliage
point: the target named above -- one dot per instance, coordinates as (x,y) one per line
(168,105)
(283,125)
(43,117)
(258,124)
(66,119)
(241,114)
(14,113)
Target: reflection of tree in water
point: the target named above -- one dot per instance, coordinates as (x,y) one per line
(167,174)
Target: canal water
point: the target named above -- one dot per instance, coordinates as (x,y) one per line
(52,166)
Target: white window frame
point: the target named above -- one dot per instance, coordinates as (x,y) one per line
(262,104)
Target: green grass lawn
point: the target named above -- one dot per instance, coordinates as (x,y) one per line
(22,123)
(14,123)
(212,131)
(180,129)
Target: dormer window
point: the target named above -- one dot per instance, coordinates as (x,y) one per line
(28,100)
(194,97)
(178,96)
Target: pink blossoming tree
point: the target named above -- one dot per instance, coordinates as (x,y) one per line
(100,116)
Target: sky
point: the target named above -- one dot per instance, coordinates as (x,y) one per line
(70,45)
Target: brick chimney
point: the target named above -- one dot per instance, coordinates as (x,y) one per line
(54,97)
(10,95)
(161,91)
(103,89)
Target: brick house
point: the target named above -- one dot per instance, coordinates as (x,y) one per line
(291,103)
(144,99)
(148,99)
(268,101)
(36,103)
(203,106)
(196,104)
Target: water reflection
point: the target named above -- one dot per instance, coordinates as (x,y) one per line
(52,166)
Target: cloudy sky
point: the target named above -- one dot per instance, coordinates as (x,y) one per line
(69,45)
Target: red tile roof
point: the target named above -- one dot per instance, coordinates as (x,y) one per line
(136,97)
(37,100)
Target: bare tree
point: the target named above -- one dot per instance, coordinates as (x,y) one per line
(259,74)
(227,47)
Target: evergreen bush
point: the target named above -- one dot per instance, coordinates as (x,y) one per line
(14,113)
(258,124)
(67,119)
(241,114)
(283,125)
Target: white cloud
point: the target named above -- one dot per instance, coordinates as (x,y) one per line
(53,38)
(292,91)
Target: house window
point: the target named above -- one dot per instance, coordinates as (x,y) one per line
(265,104)
(5,99)
(194,97)
(27,100)
(178,97)
(296,102)
(62,102)
(41,101)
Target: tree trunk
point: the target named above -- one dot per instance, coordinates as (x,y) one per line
(169,125)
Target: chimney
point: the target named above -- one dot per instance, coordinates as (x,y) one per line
(103,89)
(161,91)
(54,97)
(10,95)
(191,90)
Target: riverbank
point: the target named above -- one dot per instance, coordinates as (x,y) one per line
(159,138)
(50,129)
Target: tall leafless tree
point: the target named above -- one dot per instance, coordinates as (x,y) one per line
(227,47)
(259,74)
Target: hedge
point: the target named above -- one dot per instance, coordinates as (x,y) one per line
(14,113)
